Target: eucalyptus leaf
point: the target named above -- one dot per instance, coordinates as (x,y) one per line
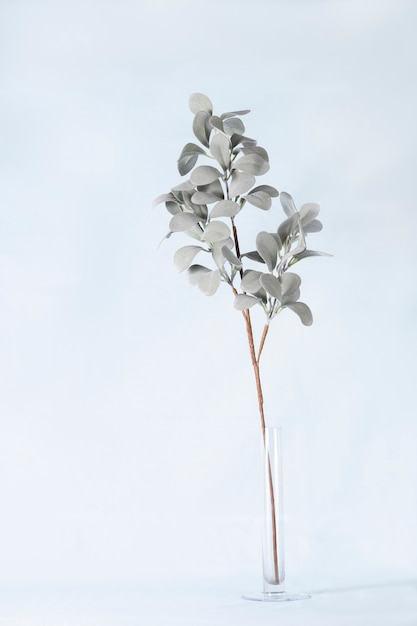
(260,199)
(192,148)
(277,239)
(199,102)
(233,125)
(202,197)
(209,282)
(250,281)
(306,253)
(240,183)
(267,247)
(290,282)
(251,149)
(252,164)
(183,221)
(188,157)
(243,301)
(271,285)
(201,211)
(186,163)
(229,114)
(287,203)
(271,191)
(217,251)
(204,174)
(303,312)
(308,212)
(214,188)
(184,186)
(216,123)
(225,208)
(173,207)
(202,127)
(315,226)
(215,231)
(253,255)
(291,254)
(195,272)
(195,208)
(291,298)
(195,232)
(165,197)
(232,258)
(220,148)
(237,139)
(184,257)
(288,227)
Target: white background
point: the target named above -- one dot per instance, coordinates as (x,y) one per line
(128,417)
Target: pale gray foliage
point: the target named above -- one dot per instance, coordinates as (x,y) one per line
(227,182)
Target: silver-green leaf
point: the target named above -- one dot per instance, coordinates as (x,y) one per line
(184,257)
(315,226)
(260,199)
(287,203)
(202,127)
(215,231)
(217,251)
(212,192)
(267,247)
(250,281)
(290,283)
(209,282)
(229,114)
(199,102)
(288,227)
(271,191)
(243,301)
(253,255)
(308,212)
(240,183)
(188,158)
(307,253)
(225,208)
(252,164)
(204,175)
(195,272)
(271,285)
(165,197)
(233,125)
(220,149)
(232,258)
(303,312)
(217,123)
(183,221)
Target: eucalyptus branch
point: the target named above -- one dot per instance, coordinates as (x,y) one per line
(198,207)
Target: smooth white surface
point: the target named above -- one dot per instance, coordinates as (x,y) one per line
(128,418)
(204,604)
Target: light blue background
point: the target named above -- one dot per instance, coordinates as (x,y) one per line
(128,418)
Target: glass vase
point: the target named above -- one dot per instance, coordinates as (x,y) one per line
(273,523)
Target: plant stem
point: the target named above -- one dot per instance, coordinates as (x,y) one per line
(261,344)
(255,365)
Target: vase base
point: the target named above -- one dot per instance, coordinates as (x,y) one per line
(275,596)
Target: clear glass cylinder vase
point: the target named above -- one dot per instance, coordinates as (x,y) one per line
(273,522)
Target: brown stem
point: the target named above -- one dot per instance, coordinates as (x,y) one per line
(255,364)
(261,345)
